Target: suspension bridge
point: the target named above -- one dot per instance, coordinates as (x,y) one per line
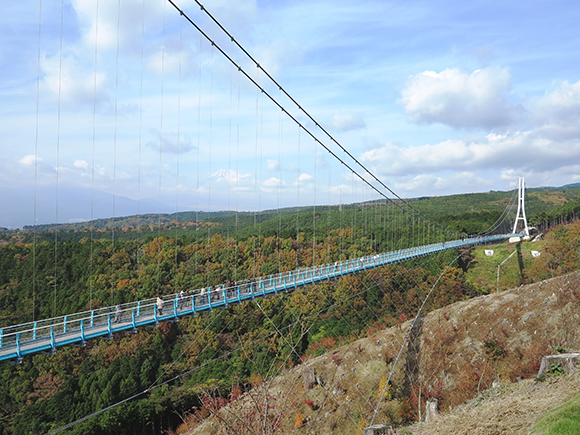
(46,335)
(258,170)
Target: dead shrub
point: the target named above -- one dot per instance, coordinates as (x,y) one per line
(298,420)
(313,406)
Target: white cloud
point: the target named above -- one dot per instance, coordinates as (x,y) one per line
(72,82)
(273,165)
(81,164)
(419,183)
(461,100)
(448,154)
(347,122)
(171,143)
(522,152)
(510,175)
(434,184)
(28,160)
(557,113)
(132,18)
(272,183)
(565,97)
(303,179)
(341,191)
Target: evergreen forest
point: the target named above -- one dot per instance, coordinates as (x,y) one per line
(160,375)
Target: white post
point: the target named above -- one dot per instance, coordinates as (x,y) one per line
(499,265)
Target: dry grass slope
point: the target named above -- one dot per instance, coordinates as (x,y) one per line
(511,408)
(459,352)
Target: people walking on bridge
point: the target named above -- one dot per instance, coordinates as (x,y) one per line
(180,300)
(118,313)
(159,306)
(202,297)
(230,288)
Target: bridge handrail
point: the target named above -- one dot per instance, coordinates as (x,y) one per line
(302,276)
(66,324)
(75,316)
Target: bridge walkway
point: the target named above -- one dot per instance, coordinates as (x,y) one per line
(47,335)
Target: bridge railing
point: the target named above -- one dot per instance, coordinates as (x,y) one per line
(71,324)
(132,314)
(200,299)
(71,318)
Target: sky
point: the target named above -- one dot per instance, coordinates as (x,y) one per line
(111,108)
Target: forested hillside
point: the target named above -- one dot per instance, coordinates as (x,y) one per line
(244,345)
(478,348)
(226,346)
(467,213)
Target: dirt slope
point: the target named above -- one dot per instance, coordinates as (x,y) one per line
(512,408)
(456,354)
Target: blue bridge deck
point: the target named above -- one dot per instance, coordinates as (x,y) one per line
(46,335)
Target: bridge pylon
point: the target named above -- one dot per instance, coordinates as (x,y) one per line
(521,213)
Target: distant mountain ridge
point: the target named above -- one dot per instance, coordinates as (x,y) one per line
(75,214)
(74,205)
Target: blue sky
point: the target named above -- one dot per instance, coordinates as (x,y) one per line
(434,97)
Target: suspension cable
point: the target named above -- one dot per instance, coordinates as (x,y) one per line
(280,139)
(91,282)
(503,216)
(160,158)
(176,280)
(255,177)
(298,207)
(229,174)
(314,208)
(208,250)
(58,160)
(140,143)
(237,181)
(115,151)
(365,169)
(34,231)
(198,153)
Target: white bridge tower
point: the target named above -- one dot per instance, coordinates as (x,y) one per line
(521,214)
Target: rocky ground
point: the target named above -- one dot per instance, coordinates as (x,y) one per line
(510,408)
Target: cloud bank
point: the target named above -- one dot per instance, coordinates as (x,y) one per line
(547,151)
(461,100)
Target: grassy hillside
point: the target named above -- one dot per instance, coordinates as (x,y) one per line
(515,261)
